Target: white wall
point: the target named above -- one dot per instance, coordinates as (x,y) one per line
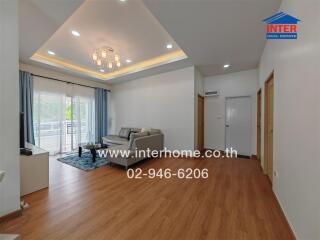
(164,101)
(296,118)
(9,108)
(230,85)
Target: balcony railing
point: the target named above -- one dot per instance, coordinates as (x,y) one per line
(63,136)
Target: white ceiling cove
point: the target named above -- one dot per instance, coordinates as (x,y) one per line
(215,32)
(128,27)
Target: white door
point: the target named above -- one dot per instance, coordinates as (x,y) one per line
(238,124)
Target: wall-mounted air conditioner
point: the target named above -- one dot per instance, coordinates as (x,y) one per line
(212,93)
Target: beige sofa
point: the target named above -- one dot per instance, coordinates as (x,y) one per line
(132,140)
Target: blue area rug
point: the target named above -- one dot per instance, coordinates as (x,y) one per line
(84,162)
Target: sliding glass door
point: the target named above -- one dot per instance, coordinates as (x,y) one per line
(48,121)
(63,116)
(68,146)
(82,121)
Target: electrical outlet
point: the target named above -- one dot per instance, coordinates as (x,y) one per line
(2,173)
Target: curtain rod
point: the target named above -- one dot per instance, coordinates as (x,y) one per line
(59,80)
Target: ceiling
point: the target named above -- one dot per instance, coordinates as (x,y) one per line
(205,33)
(216,32)
(127,27)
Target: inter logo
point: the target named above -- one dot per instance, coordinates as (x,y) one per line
(281,26)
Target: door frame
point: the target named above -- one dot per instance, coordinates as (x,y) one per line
(200,148)
(225,120)
(265,137)
(259,117)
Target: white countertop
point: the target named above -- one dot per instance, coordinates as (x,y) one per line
(35,150)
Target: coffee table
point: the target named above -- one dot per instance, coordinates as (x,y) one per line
(92,148)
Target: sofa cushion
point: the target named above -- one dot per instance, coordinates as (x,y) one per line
(113,139)
(124,132)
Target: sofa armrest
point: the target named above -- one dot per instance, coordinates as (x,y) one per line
(152,142)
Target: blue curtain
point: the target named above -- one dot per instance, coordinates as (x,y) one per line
(101,112)
(26,103)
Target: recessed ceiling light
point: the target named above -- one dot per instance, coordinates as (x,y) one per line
(101,70)
(226,65)
(122,0)
(169,46)
(75,33)
(51,52)
(128,61)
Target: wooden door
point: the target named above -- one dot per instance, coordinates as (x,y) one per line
(268,129)
(259,125)
(200,123)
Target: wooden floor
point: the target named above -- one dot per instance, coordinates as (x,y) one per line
(236,202)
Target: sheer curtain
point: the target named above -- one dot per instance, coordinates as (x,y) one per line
(63,115)
(83,120)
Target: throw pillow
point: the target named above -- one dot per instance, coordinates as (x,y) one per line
(124,132)
(145,129)
(131,132)
(121,132)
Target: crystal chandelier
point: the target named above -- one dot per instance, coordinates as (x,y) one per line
(106,58)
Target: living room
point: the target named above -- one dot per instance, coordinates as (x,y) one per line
(155,119)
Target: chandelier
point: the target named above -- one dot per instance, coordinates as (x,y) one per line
(105,57)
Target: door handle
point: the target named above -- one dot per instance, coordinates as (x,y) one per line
(227,125)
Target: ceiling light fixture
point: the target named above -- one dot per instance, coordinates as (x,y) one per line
(122,0)
(128,61)
(51,52)
(106,57)
(226,65)
(169,46)
(75,33)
